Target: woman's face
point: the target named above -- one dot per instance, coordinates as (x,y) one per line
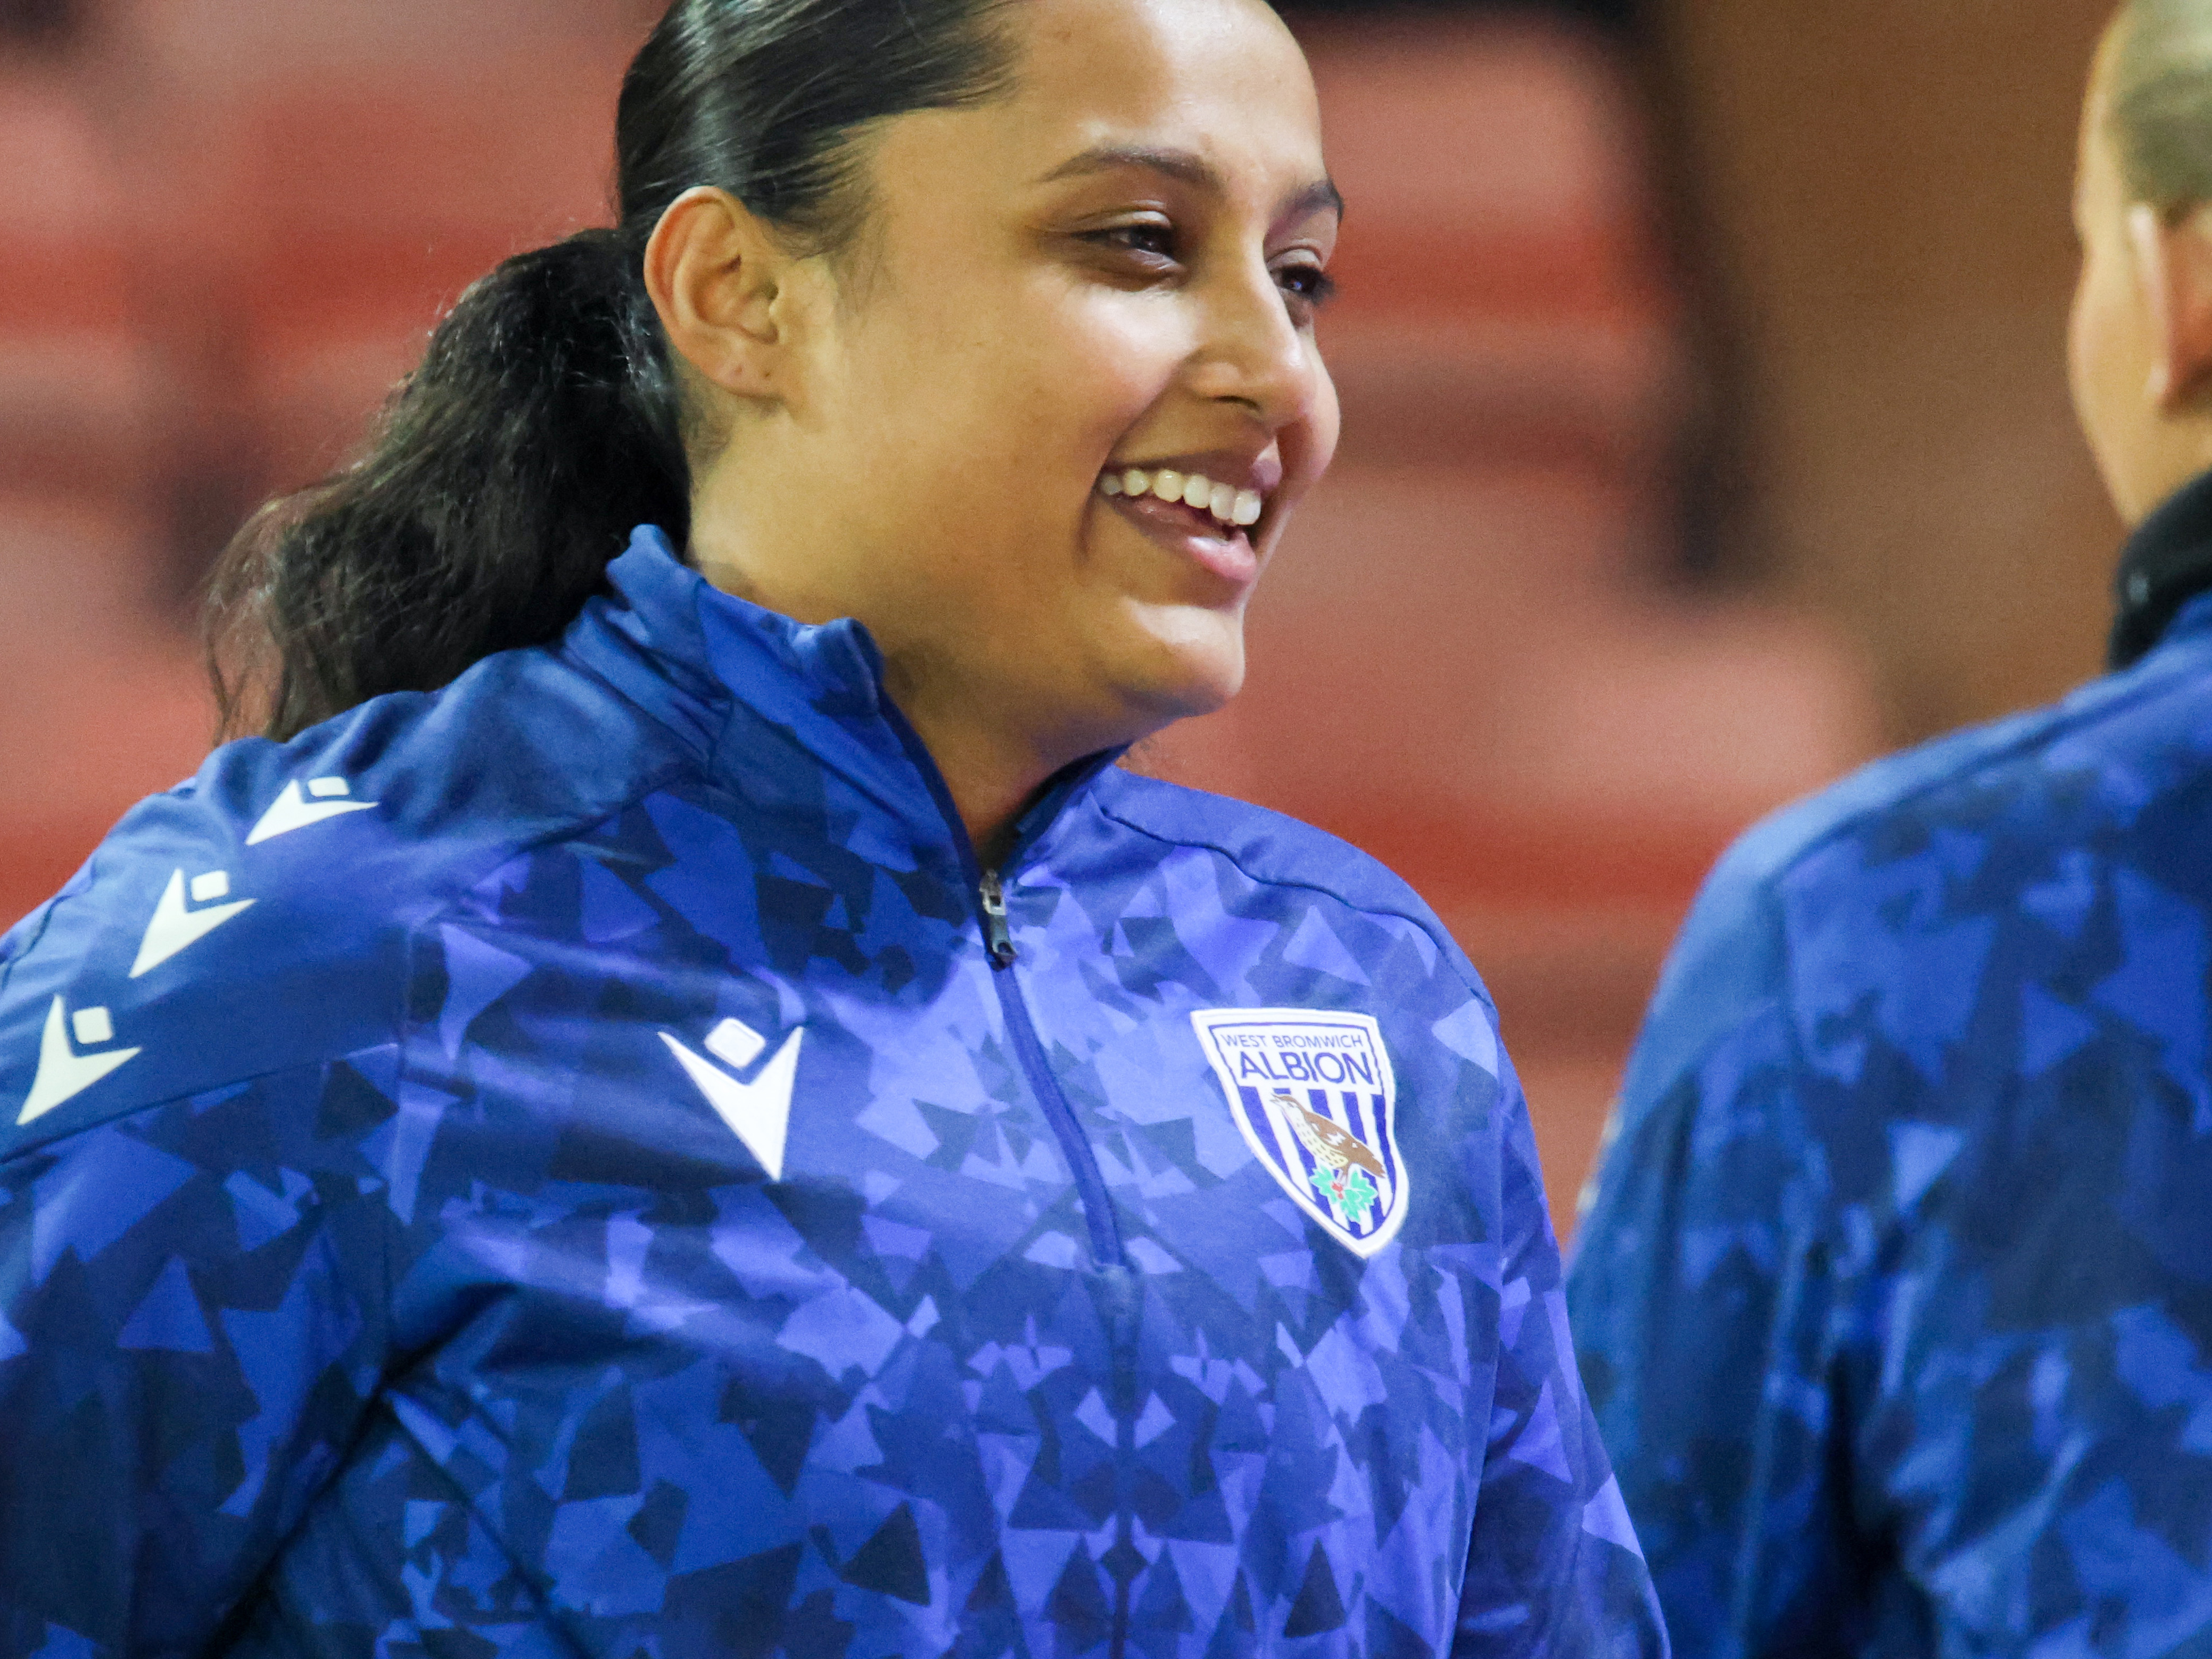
(1111,272)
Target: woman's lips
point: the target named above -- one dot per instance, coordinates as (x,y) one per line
(1198,536)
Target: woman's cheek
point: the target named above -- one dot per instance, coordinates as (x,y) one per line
(1135,344)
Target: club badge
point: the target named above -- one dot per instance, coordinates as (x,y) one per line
(1314,1095)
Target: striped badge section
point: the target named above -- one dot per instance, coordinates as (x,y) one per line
(1314,1095)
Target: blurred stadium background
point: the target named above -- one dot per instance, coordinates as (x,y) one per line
(1702,361)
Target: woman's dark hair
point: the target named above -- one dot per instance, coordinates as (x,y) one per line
(546,421)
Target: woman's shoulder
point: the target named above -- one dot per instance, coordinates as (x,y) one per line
(258,916)
(1275,850)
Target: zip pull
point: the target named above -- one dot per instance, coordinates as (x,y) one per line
(997,938)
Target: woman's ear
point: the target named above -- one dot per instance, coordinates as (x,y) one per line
(719,279)
(2173,263)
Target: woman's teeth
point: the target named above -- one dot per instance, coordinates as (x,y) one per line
(1229,505)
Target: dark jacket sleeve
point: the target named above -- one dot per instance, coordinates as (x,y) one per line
(1703,1312)
(191,1323)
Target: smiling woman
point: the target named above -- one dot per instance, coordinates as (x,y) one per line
(676,1100)
(1110,268)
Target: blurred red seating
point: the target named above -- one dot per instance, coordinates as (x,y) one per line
(101,703)
(375,203)
(77,380)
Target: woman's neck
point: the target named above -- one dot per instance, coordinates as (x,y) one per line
(992,749)
(992,775)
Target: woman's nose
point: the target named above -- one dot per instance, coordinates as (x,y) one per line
(1255,353)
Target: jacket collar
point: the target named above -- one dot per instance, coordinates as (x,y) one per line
(2168,564)
(718,670)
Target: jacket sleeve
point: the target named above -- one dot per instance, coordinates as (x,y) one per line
(1704,1316)
(192,1324)
(1554,1567)
(1704,1293)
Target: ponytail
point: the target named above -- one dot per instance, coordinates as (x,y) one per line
(545,424)
(541,429)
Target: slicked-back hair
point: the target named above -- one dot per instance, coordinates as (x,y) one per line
(2159,102)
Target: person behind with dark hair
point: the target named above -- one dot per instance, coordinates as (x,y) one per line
(1895,1289)
(676,1102)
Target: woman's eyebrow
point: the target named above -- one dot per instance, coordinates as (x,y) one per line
(1188,168)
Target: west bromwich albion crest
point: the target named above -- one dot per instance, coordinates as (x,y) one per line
(1316,1101)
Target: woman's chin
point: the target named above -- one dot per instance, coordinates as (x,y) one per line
(1189,662)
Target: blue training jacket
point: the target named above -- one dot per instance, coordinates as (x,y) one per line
(583,1163)
(1895,1297)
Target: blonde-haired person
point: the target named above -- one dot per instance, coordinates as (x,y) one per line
(1896,1294)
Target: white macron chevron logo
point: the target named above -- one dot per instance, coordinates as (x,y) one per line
(63,1073)
(175,928)
(323,798)
(758,1113)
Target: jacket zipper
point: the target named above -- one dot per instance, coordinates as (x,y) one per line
(998,938)
(999,944)
(1097,1204)
(1106,1247)
(1074,1145)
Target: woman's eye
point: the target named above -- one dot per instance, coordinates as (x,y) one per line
(1153,241)
(1308,284)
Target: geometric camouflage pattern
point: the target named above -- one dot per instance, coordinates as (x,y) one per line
(550,1168)
(1896,1296)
